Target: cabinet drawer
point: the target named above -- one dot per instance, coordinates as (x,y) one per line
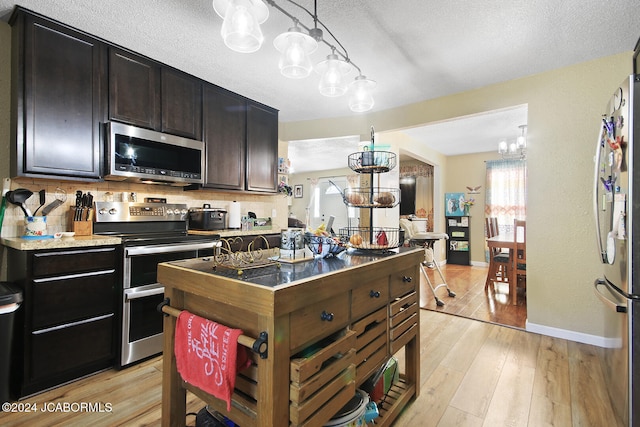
(371,343)
(369,296)
(74,297)
(403,282)
(308,374)
(401,308)
(73,261)
(318,320)
(403,322)
(324,404)
(72,346)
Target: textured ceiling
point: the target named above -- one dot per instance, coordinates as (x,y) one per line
(415,49)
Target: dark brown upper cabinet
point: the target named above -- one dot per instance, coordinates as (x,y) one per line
(241,140)
(224,135)
(58,83)
(144,93)
(262,148)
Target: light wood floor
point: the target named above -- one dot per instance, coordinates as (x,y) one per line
(472,374)
(471,299)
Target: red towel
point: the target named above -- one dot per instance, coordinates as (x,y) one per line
(208,355)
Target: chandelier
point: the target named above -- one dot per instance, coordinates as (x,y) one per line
(241,32)
(516,149)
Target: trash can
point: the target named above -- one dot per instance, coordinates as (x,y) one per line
(10,299)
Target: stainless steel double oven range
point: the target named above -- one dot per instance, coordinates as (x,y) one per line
(151,233)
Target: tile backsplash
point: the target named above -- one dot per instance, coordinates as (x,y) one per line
(57,220)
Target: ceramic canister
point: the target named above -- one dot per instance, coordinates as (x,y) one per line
(35,226)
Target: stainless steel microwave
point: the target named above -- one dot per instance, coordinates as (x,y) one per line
(150,157)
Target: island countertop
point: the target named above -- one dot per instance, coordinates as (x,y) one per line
(281,274)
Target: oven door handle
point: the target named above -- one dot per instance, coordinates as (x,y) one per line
(163,249)
(132,294)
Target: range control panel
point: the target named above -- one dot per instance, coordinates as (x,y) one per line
(132,211)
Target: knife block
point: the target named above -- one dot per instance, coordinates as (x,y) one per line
(81,228)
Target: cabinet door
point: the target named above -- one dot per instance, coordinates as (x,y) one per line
(262,148)
(134,90)
(181,104)
(59,77)
(224,117)
(67,351)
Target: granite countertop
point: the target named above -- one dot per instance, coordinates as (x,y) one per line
(63,243)
(23,244)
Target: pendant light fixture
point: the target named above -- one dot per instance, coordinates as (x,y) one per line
(332,71)
(295,48)
(360,98)
(241,30)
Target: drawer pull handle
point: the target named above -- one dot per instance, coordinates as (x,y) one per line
(326,316)
(374,294)
(406,279)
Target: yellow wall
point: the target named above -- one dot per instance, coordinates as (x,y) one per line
(564,108)
(469,171)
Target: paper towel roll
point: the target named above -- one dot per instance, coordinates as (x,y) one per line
(234,215)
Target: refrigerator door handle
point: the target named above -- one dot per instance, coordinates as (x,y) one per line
(596,206)
(609,297)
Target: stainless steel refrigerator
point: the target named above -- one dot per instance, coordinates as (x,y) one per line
(616,207)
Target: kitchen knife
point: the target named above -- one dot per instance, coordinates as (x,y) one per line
(78,205)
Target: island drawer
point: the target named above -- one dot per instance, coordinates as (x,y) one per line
(318,320)
(371,342)
(322,378)
(403,322)
(403,282)
(369,296)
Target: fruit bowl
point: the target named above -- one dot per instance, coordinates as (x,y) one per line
(324,246)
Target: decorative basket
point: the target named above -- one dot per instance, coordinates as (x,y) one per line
(324,246)
(364,197)
(376,238)
(372,161)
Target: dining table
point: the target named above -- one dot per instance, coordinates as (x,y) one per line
(506,241)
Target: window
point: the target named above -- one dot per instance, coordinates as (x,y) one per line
(506,194)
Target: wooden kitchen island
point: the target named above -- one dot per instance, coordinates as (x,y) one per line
(330,324)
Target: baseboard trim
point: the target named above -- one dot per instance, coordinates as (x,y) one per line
(573,336)
(479,264)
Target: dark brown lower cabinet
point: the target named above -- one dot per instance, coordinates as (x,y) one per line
(67,326)
(72,348)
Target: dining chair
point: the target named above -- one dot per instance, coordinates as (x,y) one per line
(494,225)
(499,261)
(520,257)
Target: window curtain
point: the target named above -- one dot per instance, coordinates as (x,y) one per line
(506,193)
(423,174)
